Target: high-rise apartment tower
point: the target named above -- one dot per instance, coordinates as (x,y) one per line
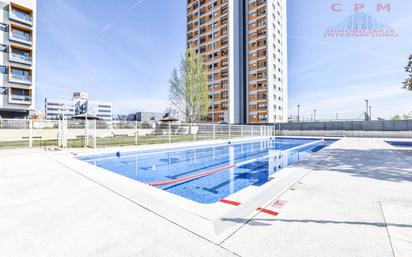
(244,45)
(18,57)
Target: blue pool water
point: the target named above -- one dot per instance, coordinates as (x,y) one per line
(400,143)
(171,164)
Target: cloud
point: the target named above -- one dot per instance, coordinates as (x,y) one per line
(351,49)
(120,15)
(348,51)
(352,78)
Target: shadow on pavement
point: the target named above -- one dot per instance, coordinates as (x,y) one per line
(263,222)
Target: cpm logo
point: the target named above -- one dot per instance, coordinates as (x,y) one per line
(359,7)
(360,24)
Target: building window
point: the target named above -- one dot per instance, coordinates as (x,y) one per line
(3,27)
(3,48)
(21,34)
(3,69)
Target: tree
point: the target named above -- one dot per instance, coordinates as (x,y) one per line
(189,92)
(408,82)
(402,117)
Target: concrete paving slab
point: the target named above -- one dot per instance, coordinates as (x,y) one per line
(33,176)
(356,202)
(94,223)
(335,209)
(399,219)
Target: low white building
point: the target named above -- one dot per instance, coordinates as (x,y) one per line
(80,104)
(56,109)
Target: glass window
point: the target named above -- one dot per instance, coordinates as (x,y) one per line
(18,72)
(20,52)
(3,69)
(3,48)
(17,91)
(21,34)
(3,27)
(22,14)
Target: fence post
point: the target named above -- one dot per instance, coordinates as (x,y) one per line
(60,134)
(135,133)
(194,133)
(170,135)
(251,130)
(241,130)
(86,133)
(30,134)
(230,134)
(94,133)
(64,133)
(214,131)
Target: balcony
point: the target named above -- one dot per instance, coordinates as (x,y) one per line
(20,99)
(21,17)
(21,38)
(20,79)
(20,58)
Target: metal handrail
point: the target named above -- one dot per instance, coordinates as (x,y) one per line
(21,16)
(22,78)
(19,57)
(22,37)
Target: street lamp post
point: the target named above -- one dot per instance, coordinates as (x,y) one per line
(367,110)
(314,114)
(370,112)
(298,112)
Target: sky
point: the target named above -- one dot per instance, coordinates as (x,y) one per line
(124,51)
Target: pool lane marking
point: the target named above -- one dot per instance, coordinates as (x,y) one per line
(229,202)
(273,213)
(209,172)
(206,173)
(197,175)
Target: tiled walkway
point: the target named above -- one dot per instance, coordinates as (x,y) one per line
(357,202)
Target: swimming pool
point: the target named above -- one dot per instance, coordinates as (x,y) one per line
(400,143)
(210,173)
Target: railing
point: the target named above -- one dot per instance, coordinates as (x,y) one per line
(21,16)
(20,58)
(21,98)
(21,37)
(21,78)
(95,134)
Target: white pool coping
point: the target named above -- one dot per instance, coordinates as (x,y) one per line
(214,222)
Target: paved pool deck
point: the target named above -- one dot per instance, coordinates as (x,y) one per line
(356,202)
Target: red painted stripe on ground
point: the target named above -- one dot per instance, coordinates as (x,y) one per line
(268,211)
(230,202)
(197,175)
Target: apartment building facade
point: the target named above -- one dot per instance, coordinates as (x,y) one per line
(80,104)
(244,46)
(55,109)
(17,57)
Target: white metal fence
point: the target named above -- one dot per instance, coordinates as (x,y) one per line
(94,134)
